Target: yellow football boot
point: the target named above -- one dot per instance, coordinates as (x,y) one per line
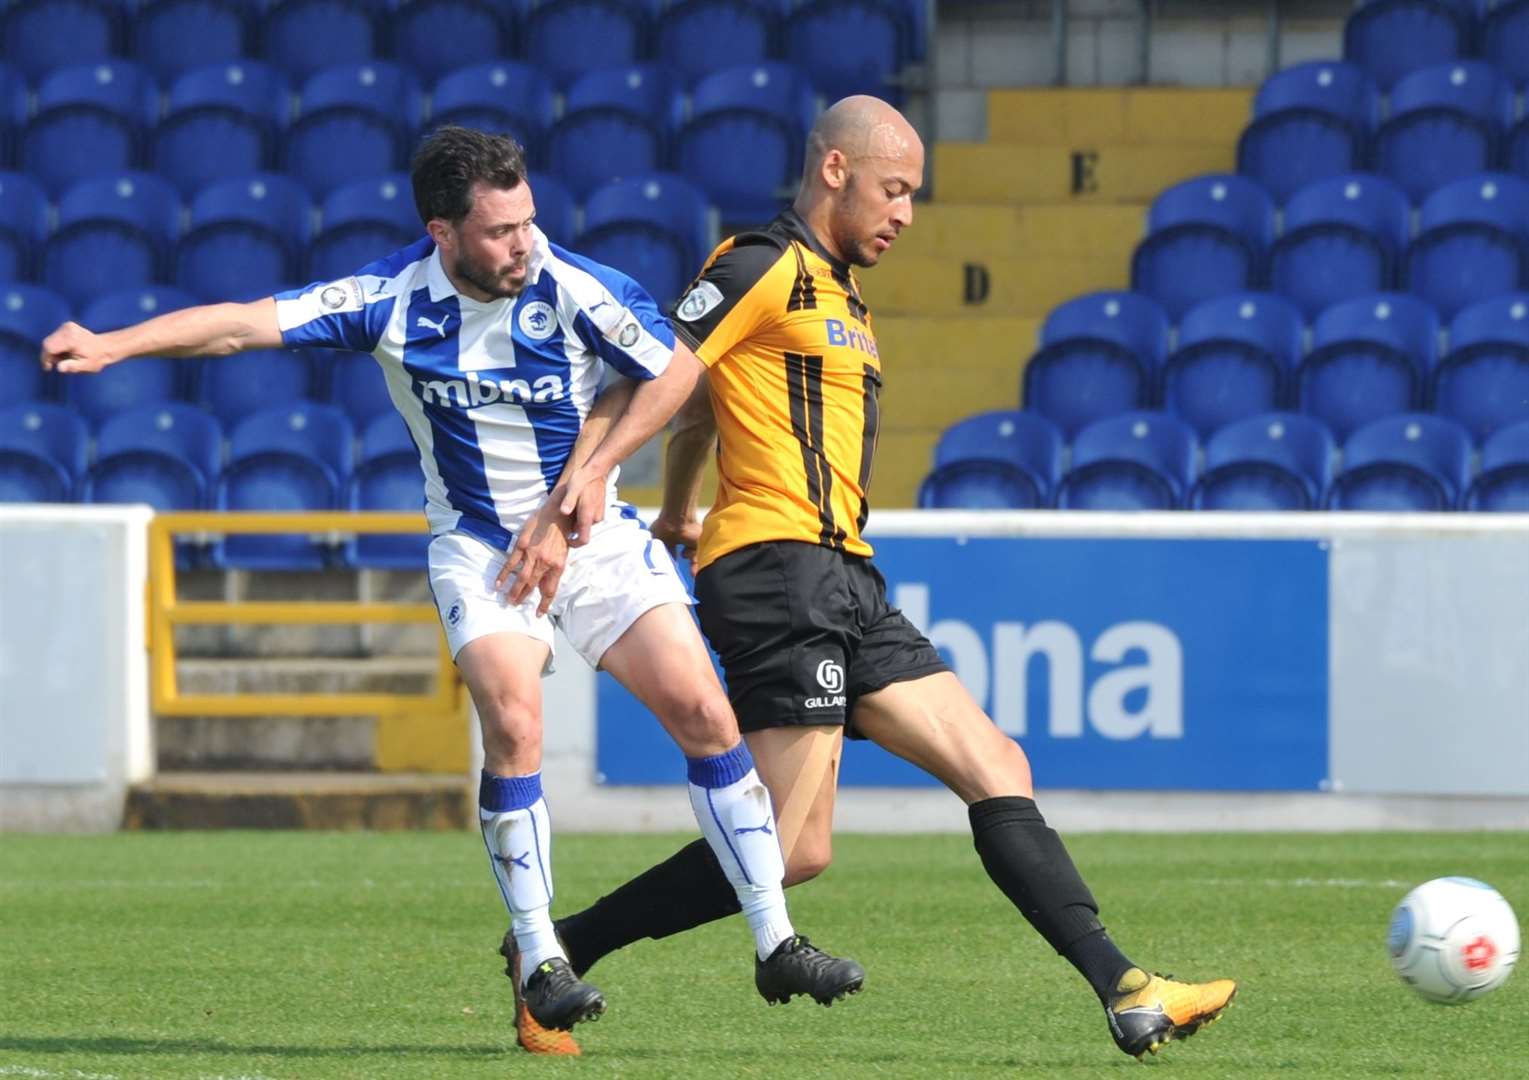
(1148,1011)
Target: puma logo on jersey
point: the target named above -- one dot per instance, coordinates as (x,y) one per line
(438,327)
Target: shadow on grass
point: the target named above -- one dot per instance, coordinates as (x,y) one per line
(116,1044)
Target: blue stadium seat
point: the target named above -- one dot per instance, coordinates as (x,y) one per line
(27,478)
(1276,461)
(1504,39)
(570,37)
(387,480)
(144,476)
(173,429)
(1235,357)
(744,140)
(170,37)
(244,237)
(304,36)
(1472,242)
(1503,484)
(274,482)
(1136,461)
(145,381)
(233,387)
(1342,238)
(503,96)
(1390,38)
(1370,357)
(40,36)
(615,123)
(358,387)
(556,212)
(384,435)
(1411,461)
(688,30)
(23,224)
(653,227)
(28,313)
(222,122)
(306,429)
(355,123)
(363,222)
(850,46)
(114,232)
(1206,237)
(89,120)
(979,485)
(52,433)
(1310,122)
(1483,381)
(435,37)
(1445,124)
(15,103)
(1023,440)
(1098,356)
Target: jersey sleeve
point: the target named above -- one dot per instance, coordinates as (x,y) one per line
(724,305)
(334,315)
(617,319)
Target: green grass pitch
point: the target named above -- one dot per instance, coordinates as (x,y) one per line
(276,955)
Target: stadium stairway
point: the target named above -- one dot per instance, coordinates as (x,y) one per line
(1048,207)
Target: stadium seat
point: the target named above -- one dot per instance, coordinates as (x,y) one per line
(28,313)
(1503,484)
(850,46)
(688,30)
(1235,357)
(357,387)
(1023,440)
(233,387)
(1369,358)
(1444,125)
(221,123)
(653,227)
(979,485)
(173,429)
(89,120)
(1483,381)
(1136,461)
(303,36)
(1310,122)
(144,381)
(40,36)
(23,224)
(274,482)
(52,433)
(114,232)
(388,478)
(27,478)
(570,37)
(170,37)
(1391,38)
(363,222)
(1098,357)
(744,140)
(15,103)
(384,435)
(244,237)
(355,123)
(1411,461)
(1275,461)
(305,429)
(615,124)
(435,37)
(1504,39)
(1342,238)
(1472,242)
(1206,237)
(144,476)
(503,96)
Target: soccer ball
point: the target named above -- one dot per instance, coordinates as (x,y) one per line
(1453,939)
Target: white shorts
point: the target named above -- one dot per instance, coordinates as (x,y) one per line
(608,584)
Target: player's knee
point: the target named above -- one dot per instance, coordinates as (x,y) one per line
(510,721)
(1004,770)
(807,860)
(703,724)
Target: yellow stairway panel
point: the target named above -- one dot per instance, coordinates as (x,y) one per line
(935,285)
(962,229)
(962,340)
(1088,230)
(1156,116)
(902,459)
(1173,116)
(986,230)
(1050,173)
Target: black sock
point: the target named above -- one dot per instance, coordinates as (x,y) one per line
(1027,860)
(686,890)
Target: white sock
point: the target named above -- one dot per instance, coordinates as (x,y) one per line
(518,835)
(733,808)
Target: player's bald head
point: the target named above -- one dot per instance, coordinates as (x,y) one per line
(860,127)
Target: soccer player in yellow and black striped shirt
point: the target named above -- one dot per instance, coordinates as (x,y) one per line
(789,599)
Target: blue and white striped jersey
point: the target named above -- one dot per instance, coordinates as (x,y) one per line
(494,394)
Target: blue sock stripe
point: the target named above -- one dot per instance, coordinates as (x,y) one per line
(720,770)
(497,794)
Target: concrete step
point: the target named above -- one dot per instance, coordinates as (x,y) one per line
(1143,116)
(979,231)
(301,800)
(1009,173)
(1016,286)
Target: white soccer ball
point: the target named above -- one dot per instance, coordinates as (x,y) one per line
(1453,939)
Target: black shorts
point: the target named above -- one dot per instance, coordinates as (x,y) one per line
(803,631)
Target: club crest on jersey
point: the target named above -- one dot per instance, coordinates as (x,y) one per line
(698,301)
(629,335)
(538,320)
(342,296)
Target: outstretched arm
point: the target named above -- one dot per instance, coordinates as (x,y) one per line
(692,440)
(209,330)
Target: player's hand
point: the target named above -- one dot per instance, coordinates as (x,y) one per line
(682,536)
(583,501)
(74,350)
(537,558)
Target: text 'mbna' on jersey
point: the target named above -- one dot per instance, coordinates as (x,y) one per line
(795,381)
(493,393)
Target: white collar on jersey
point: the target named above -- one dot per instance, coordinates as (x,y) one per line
(441,286)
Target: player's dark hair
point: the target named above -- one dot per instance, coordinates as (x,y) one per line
(451,160)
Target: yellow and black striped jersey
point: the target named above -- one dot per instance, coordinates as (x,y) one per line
(794,378)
